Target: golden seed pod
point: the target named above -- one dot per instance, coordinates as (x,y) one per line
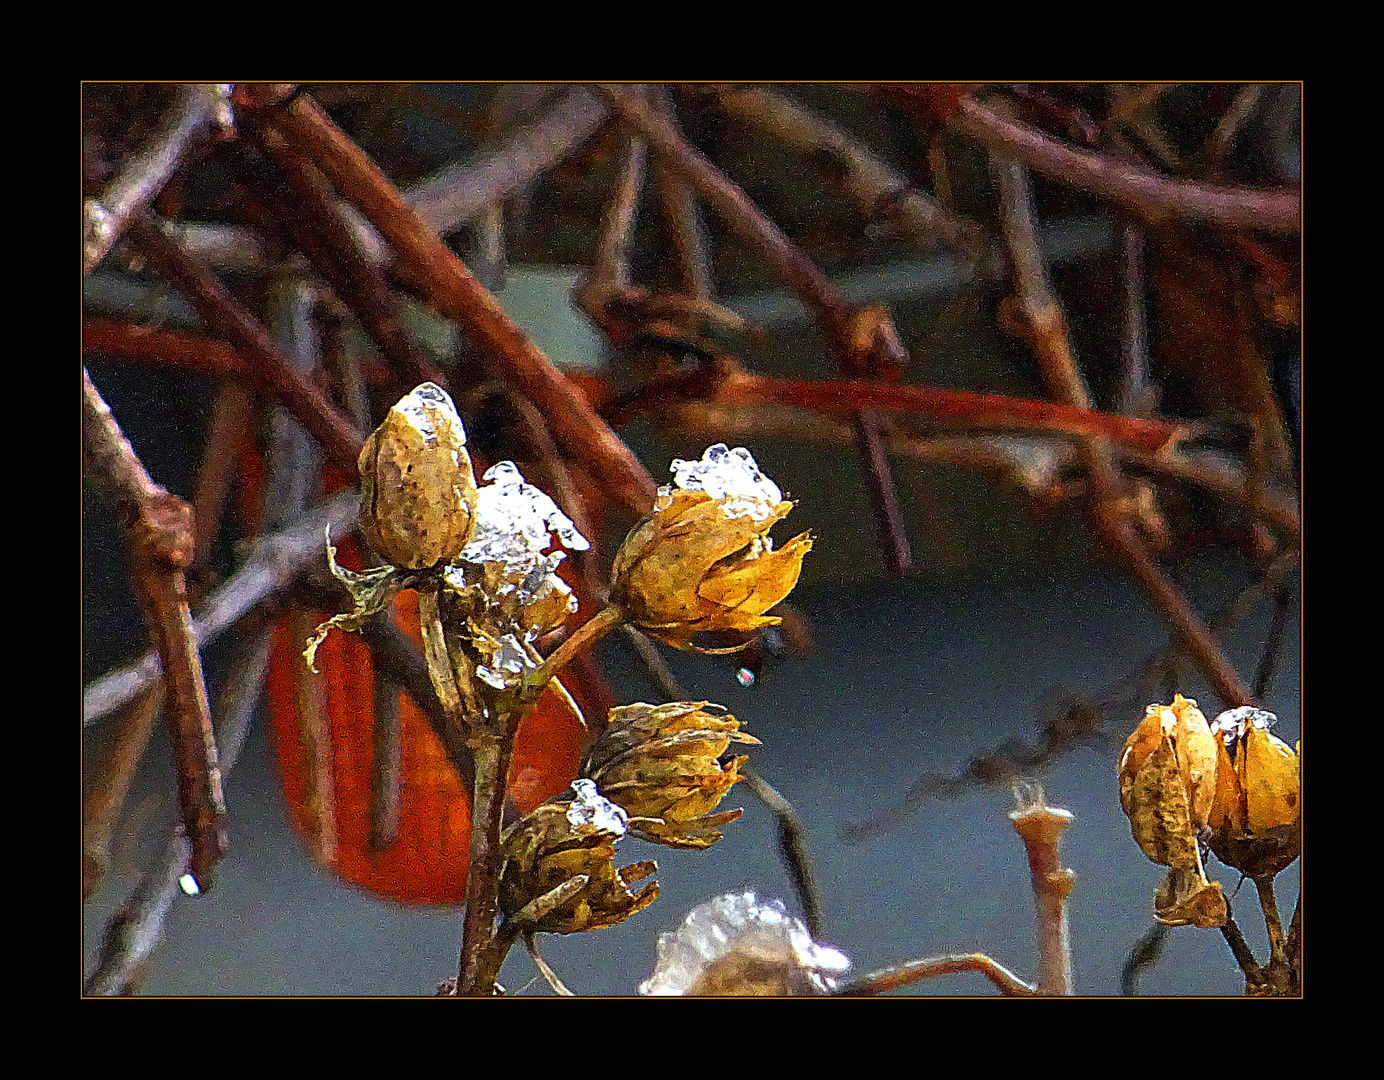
(661,765)
(697,564)
(1167,776)
(1256,818)
(560,876)
(417,490)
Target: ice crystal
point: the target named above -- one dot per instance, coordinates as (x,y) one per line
(732,478)
(592,809)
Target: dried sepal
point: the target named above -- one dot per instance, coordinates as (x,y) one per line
(665,766)
(703,559)
(1256,817)
(372,590)
(559,875)
(1186,898)
(417,489)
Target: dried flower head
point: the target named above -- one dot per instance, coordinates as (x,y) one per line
(703,559)
(739,946)
(560,876)
(1167,786)
(417,490)
(662,764)
(1256,818)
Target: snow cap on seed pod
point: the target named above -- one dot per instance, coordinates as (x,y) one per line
(1167,775)
(417,490)
(663,765)
(740,946)
(1256,817)
(703,559)
(559,875)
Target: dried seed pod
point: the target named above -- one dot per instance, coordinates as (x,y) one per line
(703,559)
(739,946)
(1256,819)
(661,764)
(560,876)
(1167,788)
(417,490)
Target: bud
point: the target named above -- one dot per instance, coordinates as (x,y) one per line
(417,491)
(739,946)
(560,876)
(703,559)
(1256,818)
(661,765)
(1167,788)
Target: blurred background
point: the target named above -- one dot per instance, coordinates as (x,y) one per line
(785,268)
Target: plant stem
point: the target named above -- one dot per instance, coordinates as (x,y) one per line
(1041,827)
(1272,923)
(586,635)
(476,976)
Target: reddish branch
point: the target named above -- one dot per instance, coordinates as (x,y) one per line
(1275,211)
(460,297)
(158,527)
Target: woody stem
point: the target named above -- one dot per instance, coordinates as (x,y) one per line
(1272,923)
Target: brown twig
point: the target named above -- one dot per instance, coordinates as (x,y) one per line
(1276,211)
(684,219)
(1052,346)
(102,801)
(158,527)
(881,982)
(194,109)
(458,295)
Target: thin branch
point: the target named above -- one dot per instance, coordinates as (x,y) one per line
(158,528)
(102,801)
(195,108)
(690,248)
(459,296)
(456,196)
(881,982)
(1276,210)
(305,208)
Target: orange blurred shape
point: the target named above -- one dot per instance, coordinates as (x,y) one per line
(426,864)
